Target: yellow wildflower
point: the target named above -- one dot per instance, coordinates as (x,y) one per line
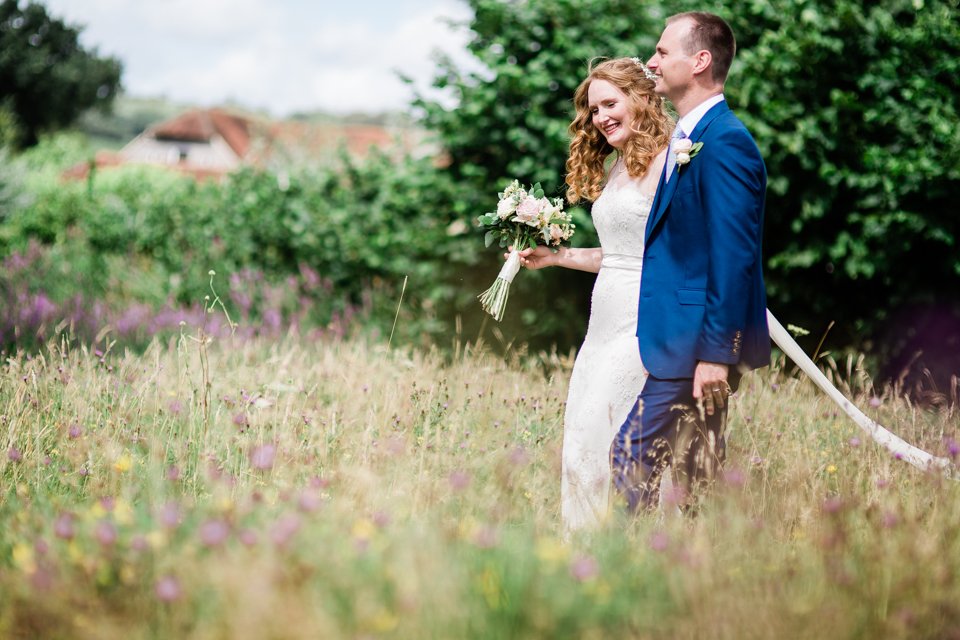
(123,464)
(122,512)
(363,529)
(23,557)
(552,551)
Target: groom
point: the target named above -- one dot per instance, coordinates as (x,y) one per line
(702,320)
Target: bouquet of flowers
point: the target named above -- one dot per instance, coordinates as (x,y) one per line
(524,218)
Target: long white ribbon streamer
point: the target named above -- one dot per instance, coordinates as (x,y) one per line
(897,446)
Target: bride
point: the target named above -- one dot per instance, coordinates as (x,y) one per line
(616,111)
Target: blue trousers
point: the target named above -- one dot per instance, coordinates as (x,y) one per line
(665,428)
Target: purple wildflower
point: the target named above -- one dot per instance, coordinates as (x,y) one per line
(309,501)
(854,442)
(875,402)
(284,529)
(519,457)
(75,431)
(214,532)
(734,477)
(170,515)
(105,533)
(262,457)
(953,448)
(584,568)
(459,480)
(167,589)
(139,543)
(486,537)
(63,526)
(14,455)
(248,537)
(833,504)
(659,541)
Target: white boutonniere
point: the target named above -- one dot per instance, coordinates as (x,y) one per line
(685,150)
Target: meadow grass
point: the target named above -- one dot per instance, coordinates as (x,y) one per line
(298,488)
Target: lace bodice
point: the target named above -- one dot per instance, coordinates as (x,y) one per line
(620,217)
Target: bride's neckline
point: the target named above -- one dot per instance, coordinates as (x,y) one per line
(618,179)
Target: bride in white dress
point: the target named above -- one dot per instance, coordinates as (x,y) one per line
(617,110)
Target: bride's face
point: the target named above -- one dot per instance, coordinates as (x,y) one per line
(610,110)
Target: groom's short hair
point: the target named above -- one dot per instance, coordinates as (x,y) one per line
(710,32)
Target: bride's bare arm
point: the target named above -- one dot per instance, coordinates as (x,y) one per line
(581,259)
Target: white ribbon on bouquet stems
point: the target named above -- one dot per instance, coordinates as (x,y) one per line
(901,449)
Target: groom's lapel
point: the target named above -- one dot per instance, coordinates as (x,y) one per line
(666,191)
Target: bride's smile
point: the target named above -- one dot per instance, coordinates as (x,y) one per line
(610,112)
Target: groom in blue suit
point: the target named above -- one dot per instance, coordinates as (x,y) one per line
(702,308)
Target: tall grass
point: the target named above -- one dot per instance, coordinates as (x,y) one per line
(297,488)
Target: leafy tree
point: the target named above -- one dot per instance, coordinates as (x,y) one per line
(854,105)
(46,78)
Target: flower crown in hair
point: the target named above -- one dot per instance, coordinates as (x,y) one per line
(646,70)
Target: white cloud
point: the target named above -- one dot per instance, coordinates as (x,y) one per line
(273,54)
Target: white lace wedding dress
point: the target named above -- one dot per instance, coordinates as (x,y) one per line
(608,374)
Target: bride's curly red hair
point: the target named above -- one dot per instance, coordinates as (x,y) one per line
(651,127)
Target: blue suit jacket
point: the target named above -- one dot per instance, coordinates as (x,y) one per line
(702,295)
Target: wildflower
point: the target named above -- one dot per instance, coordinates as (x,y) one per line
(309,501)
(381,519)
(262,457)
(214,532)
(284,529)
(240,419)
(831,469)
(584,568)
(63,526)
(167,589)
(459,480)
(889,519)
(875,402)
(75,431)
(170,515)
(247,537)
(105,533)
(363,529)
(24,558)
(659,541)
(14,455)
(123,464)
(854,442)
(734,478)
(833,504)
(139,543)
(953,448)
(551,551)
(756,461)
(486,537)
(519,457)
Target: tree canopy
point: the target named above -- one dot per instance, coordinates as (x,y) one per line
(46,78)
(854,105)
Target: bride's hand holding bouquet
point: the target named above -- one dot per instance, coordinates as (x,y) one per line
(524,220)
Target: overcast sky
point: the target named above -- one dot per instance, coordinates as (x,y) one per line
(279,55)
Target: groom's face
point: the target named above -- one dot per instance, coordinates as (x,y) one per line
(671,63)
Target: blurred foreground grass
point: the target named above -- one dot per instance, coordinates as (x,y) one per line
(299,489)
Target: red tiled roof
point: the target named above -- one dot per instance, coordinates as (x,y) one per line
(200,125)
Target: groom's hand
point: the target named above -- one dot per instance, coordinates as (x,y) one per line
(710,384)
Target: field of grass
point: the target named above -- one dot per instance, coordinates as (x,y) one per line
(341,489)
